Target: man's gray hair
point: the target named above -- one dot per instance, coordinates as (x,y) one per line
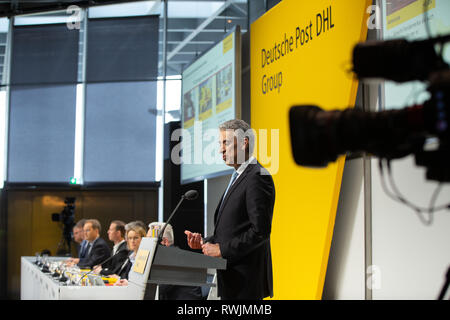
(242,130)
(80,224)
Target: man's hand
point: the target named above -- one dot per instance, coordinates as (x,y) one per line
(97,269)
(121,282)
(212,250)
(72,261)
(194,240)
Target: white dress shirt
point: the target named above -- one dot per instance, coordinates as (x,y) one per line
(244,166)
(116,246)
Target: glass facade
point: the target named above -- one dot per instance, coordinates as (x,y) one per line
(76,74)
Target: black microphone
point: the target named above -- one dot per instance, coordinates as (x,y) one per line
(189,195)
(96,265)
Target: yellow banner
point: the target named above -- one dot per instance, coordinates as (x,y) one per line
(300,53)
(228,43)
(224,105)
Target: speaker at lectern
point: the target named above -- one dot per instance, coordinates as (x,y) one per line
(158,264)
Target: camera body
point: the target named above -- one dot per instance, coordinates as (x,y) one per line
(67,219)
(319,137)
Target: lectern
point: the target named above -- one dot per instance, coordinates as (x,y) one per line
(157,264)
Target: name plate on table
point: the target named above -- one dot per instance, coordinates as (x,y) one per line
(141,261)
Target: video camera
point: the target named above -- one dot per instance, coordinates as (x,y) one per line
(67,218)
(319,137)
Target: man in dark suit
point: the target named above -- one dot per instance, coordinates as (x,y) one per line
(120,252)
(97,249)
(243,220)
(78,237)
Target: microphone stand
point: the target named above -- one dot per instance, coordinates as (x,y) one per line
(93,268)
(445,286)
(160,237)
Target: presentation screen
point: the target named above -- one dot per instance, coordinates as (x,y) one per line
(210,96)
(408,19)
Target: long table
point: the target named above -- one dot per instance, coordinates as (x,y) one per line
(154,265)
(36,285)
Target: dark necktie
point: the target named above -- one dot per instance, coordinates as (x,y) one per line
(88,249)
(83,250)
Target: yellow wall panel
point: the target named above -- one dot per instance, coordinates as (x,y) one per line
(305,72)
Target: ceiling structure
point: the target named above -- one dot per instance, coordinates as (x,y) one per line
(189,36)
(192,26)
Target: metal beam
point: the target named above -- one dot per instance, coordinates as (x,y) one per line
(235,6)
(192,42)
(201,27)
(194,32)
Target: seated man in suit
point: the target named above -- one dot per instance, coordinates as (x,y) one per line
(78,237)
(97,249)
(116,233)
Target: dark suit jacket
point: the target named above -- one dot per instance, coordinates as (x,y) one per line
(113,265)
(99,253)
(125,268)
(242,230)
(82,249)
(174,292)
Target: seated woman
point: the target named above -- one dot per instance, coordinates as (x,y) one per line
(134,235)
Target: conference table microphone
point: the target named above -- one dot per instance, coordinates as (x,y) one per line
(189,195)
(94,268)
